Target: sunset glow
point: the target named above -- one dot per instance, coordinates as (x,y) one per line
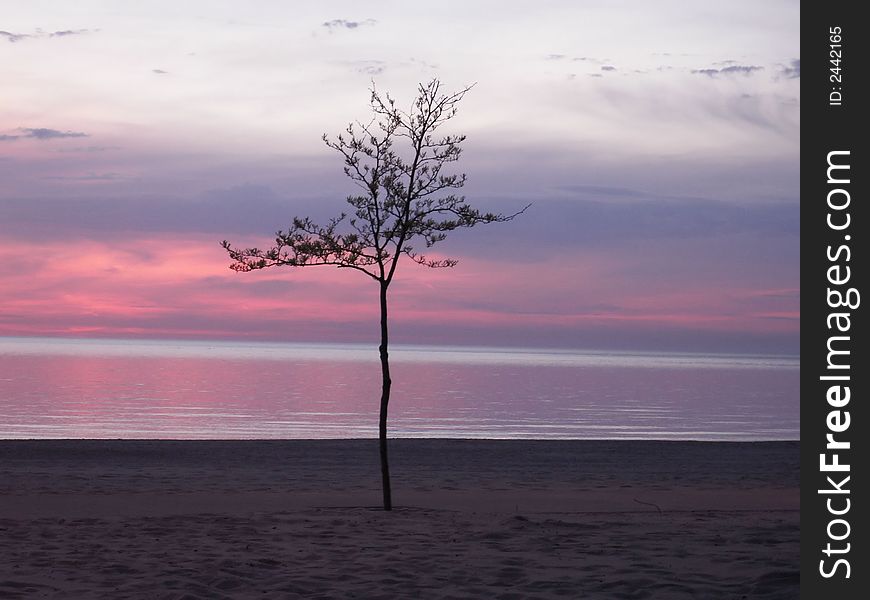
(663,184)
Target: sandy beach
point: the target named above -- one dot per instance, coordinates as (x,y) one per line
(473,519)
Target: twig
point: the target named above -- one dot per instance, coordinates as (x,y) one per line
(656,506)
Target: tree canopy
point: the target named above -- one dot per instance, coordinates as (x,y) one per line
(407,201)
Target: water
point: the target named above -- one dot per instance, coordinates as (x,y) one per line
(67,388)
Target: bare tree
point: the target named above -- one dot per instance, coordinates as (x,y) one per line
(406,200)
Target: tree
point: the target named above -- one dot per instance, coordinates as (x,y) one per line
(406,199)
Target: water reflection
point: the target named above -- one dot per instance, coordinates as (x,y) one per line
(134,391)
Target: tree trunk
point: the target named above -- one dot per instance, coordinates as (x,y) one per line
(385,401)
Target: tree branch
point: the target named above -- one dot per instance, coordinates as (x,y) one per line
(399,206)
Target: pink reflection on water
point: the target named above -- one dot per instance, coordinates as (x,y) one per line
(189,397)
(599,402)
(62,396)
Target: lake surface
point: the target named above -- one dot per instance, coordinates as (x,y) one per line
(71,388)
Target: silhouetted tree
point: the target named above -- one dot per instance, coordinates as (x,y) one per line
(406,200)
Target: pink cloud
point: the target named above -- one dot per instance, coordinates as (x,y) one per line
(168,286)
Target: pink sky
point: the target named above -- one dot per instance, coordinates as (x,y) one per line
(662,165)
(173,286)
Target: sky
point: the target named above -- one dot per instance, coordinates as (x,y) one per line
(658,143)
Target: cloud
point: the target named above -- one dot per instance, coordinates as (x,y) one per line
(744,69)
(574,216)
(238,211)
(729,70)
(608,216)
(175,283)
(159,72)
(90,177)
(423,64)
(793,71)
(88,149)
(337,24)
(41,133)
(372,67)
(14,37)
(608,68)
(589,261)
(368,67)
(564,58)
(575,58)
(17,37)
(68,32)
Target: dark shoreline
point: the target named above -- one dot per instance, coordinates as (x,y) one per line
(473,519)
(416,463)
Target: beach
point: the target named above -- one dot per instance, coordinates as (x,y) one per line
(472,519)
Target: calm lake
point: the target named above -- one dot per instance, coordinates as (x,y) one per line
(72,388)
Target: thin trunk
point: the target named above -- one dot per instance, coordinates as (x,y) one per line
(385,400)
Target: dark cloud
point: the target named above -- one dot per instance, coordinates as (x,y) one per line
(608,68)
(17,37)
(253,210)
(68,32)
(369,67)
(14,37)
(41,133)
(612,218)
(372,70)
(579,216)
(657,239)
(159,72)
(337,24)
(793,71)
(729,70)
(742,69)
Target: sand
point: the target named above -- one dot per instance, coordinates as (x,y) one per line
(473,519)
